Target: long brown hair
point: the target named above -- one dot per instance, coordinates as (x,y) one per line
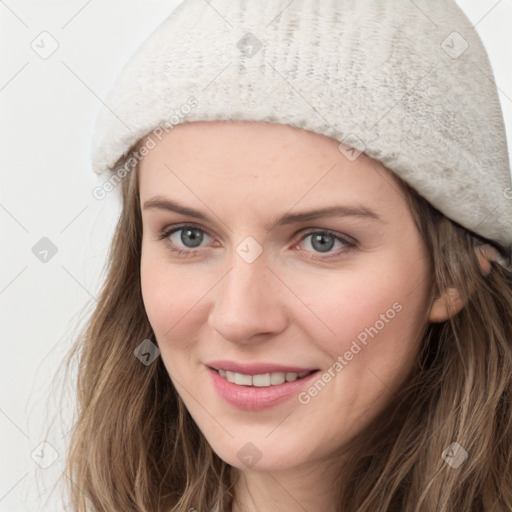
(136,448)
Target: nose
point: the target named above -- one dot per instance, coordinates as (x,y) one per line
(248,302)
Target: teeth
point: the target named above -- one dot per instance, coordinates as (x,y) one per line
(262,380)
(277,378)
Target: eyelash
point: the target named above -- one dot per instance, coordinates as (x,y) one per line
(349,244)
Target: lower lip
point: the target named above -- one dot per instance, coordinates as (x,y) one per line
(253,398)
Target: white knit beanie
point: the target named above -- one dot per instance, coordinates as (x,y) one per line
(409,83)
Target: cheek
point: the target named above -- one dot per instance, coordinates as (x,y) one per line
(173,299)
(164,295)
(376,338)
(369,319)
(167,300)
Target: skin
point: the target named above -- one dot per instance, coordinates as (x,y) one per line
(292,305)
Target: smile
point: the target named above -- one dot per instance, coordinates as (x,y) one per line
(261,390)
(261,380)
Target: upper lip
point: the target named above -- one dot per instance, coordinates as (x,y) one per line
(256,368)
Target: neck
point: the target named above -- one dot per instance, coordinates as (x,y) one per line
(291,490)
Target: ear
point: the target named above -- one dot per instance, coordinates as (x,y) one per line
(446,306)
(486,253)
(450,302)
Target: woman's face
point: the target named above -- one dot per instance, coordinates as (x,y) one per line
(265,286)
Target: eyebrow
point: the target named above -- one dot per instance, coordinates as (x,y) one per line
(359,211)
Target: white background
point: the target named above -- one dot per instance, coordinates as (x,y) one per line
(48,110)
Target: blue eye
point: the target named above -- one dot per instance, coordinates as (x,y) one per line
(191,237)
(324,241)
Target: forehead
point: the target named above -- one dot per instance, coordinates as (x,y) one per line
(274,163)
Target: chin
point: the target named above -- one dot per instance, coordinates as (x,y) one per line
(258,455)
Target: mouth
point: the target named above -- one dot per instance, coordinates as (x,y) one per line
(255,391)
(263,379)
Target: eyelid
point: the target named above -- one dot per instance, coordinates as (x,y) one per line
(335,234)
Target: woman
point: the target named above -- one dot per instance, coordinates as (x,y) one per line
(308,303)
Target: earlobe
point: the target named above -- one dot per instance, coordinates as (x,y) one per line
(446,306)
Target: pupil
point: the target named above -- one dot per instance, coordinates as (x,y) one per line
(322,245)
(191,235)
